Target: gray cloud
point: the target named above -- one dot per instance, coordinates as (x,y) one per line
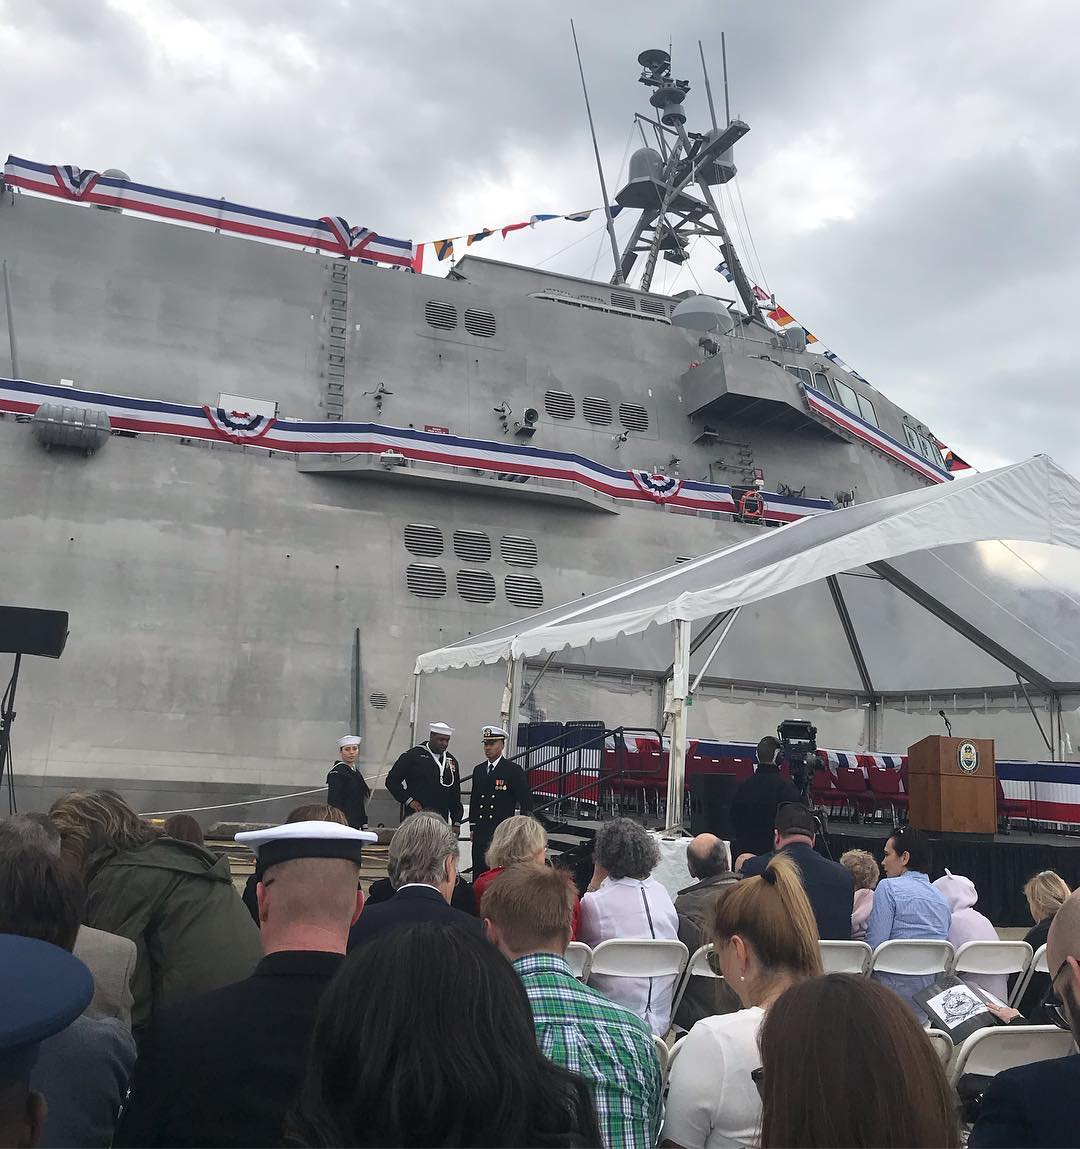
(909,176)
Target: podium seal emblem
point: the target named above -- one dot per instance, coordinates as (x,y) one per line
(967,757)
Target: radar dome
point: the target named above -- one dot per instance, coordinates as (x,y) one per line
(703,313)
(112,174)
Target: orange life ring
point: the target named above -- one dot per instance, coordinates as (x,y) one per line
(751,505)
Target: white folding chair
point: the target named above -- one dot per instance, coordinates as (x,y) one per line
(674,1052)
(1038,964)
(640,957)
(912,956)
(663,1055)
(942,1044)
(697,966)
(1005,1046)
(993,958)
(845,957)
(579,958)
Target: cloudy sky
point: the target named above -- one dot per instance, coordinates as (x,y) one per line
(910,179)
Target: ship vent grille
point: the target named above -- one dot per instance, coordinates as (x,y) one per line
(476,586)
(623,300)
(596,410)
(560,405)
(378,700)
(633,417)
(441,315)
(524,591)
(653,306)
(425,581)
(519,551)
(421,539)
(480,323)
(472,546)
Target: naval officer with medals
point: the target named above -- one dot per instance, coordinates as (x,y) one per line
(498,789)
(428,777)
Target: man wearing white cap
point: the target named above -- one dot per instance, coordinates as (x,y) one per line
(345,786)
(191,1091)
(498,788)
(428,777)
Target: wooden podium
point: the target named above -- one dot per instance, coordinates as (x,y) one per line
(952,785)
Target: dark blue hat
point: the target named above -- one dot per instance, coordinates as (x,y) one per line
(43,989)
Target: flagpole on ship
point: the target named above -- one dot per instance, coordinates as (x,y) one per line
(599,166)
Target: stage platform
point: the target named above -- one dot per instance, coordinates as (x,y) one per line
(999,867)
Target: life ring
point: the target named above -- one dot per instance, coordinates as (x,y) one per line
(751,505)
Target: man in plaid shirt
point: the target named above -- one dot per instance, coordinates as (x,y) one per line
(527,912)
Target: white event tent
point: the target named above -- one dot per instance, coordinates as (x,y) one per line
(995,558)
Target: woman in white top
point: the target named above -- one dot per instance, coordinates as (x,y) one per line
(766,940)
(623,901)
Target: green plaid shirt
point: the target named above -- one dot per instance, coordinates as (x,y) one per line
(610,1047)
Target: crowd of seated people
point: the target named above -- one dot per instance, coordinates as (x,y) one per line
(143,1005)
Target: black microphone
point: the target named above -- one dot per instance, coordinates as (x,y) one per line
(948,724)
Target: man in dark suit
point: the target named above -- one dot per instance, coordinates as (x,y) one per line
(829,887)
(499,787)
(1035,1105)
(191,1090)
(427,777)
(754,803)
(422,861)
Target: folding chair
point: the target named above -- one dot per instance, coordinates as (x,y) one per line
(674,1052)
(999,1047)
(845,957)
(912,956)
(852,784)
(662,1055)
(1038,964)
(1008,808)
(942,1044)
(994,958)
(697,966)
(885,786)
(579,958)
(644,957)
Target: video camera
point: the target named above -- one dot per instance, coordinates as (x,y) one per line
(798,741)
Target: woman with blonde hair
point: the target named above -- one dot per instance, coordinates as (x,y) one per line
(1046,893)
(766,941)
(867,873)
(175,900)
(518,841)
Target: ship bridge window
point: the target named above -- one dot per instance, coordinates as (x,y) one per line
(925,446)
(472,546)
(519,551)
(441,315)
(802,375)
(424,540)
(856,403)
(633,417)
(481,323)
(821,383)
(624,300)
(560,405)
(476,586)
(425,581)
(596,410)
(524,591)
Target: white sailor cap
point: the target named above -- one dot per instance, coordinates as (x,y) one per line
(493,732)
(305,840)
(349,740)
(441,728)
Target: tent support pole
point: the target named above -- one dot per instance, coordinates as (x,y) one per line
(536,681)
(1027,698)
(680,687)
(729,622)
(858,658)
(950,618)
(414,713)
(511,700)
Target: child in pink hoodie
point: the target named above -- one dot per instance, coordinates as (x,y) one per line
(968,925)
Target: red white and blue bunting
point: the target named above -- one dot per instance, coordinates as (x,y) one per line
(330,233)
(873,436)
(508,461)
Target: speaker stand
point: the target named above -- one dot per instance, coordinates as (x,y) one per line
(7,720)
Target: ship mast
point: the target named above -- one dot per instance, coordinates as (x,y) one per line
(672,184)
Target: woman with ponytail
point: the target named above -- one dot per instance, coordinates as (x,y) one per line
(766,941)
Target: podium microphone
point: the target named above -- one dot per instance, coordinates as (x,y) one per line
(948,724)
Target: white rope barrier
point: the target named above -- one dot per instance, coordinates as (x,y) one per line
(231,805)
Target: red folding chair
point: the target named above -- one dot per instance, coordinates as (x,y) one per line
(823,791)
(856,793)
(1010,808)
(885,786)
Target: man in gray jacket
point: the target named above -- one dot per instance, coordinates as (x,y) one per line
(707,860)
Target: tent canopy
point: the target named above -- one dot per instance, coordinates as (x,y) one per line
(996,557)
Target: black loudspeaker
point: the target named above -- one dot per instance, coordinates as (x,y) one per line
(24,630)
(710,804)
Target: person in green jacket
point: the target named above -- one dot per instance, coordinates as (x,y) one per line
(175,900)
